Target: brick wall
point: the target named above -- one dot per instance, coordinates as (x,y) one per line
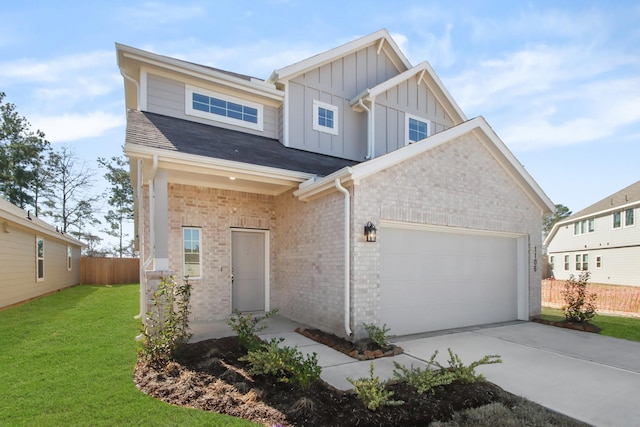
(308,261)
(216,211)
(457,184)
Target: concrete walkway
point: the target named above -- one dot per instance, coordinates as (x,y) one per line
(589,377)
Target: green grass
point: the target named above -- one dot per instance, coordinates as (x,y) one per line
(627,328)
(68,359)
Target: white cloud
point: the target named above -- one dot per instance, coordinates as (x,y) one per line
(56,69)
(71,126)
(153,14)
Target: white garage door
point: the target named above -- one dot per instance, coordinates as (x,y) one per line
(432,280)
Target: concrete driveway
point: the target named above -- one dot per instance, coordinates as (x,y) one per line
(592,378)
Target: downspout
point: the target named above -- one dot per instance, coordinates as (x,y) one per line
(370,127)
(140,236)
(152,240)
(135,82)
(347,255)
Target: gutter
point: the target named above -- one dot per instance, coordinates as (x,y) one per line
(347,253)
(135,82)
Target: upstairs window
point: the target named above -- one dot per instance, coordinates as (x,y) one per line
(223,108)
(592,225)
(191,244)
(628,217)
(617,220)
(39,259)
(576,228)
(585,226)
(325,117)
(416,128)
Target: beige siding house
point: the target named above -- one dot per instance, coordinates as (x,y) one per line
(35,259)
(261,191)
(603,239)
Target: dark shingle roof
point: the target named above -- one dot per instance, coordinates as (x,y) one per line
(169,133)
(623,197)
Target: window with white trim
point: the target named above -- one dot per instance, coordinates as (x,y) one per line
(223,108)
(552,262)
(592,225)
(582,262)
(599,261)
(191,251)
(39,259)
(585,226)
(416,128)
(629,219)
(566,263)
(69,258)
(617,219)
(325,117)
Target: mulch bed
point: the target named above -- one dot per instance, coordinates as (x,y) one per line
(363,350)
(578,326)
(209,376)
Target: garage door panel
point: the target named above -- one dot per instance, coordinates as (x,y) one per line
(433,280)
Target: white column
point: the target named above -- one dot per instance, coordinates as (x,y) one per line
(161,223)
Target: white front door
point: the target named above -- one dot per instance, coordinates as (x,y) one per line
(248,274)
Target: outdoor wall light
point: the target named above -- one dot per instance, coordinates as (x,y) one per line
(370,232)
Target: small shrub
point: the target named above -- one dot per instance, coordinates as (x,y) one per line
(579,303)
(423,380)
(246,327)
(467,374)
(287,363)
(378,335)
(166,328)
(372,391)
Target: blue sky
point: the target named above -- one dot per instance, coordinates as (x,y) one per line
(559,81)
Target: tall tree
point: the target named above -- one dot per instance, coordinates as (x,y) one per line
(549,220)
(120,199)
(22,156)
(69,197)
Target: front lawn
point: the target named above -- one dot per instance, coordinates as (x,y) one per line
(68,359)
(627,328)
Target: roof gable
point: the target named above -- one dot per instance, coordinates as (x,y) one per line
(381,38)
(477,125)
(425,74)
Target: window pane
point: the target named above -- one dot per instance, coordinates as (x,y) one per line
(585,262)
(583,227)
(219,111)
(629,217)
(215,102)
(40,248)
(200,107)
(592,225)
(566,262)
(234,114)
(200,98)
(417,130)
(578,263)
(40,268)
(576,228)
(616,220)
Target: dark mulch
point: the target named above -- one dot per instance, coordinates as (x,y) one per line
(209,376)
(361,350)
(578,326)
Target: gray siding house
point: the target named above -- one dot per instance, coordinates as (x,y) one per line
(603,238)
(35,259)
(260,191)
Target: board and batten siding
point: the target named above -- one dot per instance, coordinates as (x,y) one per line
(18,265)
(167,96)
(619,249)
(391,107)
(336,83)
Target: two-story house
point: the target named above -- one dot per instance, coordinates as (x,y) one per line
(603,238)
(346,188)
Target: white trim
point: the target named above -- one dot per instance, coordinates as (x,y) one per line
(38,258)
(285,117)
(144,88)
(194,70)
(596,266)
(447,229)
(634,218)
(291,71)
(189,110)
(267,278)
(316,113)
(408,117)
(200,263)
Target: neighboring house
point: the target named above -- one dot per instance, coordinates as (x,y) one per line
(35,259)
(603,239)
(261,190)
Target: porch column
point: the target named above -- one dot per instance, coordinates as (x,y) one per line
(161,221)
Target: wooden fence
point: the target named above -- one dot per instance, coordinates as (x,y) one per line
(611,298)
(109,271)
